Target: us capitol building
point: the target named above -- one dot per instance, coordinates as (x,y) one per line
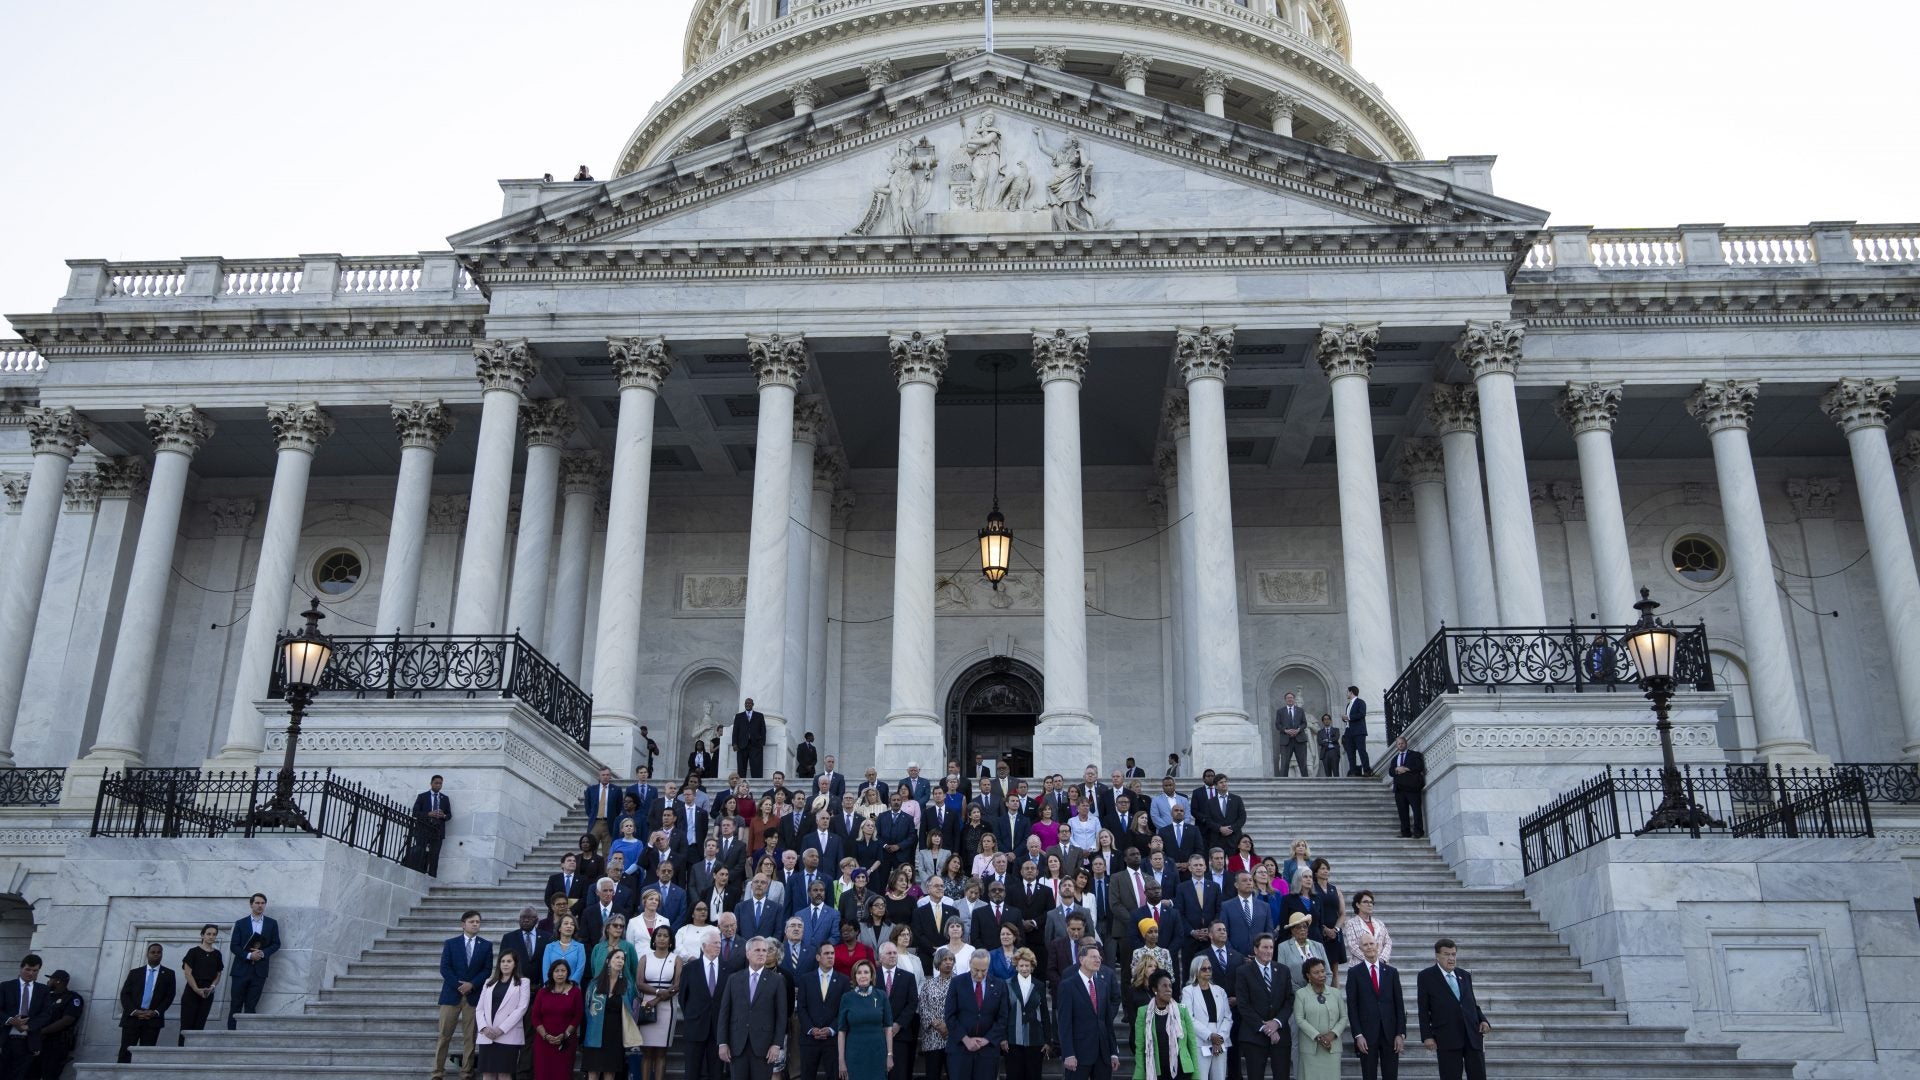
(1264,394)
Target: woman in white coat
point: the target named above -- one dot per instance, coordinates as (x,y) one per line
(500,1019)
(1206,1002)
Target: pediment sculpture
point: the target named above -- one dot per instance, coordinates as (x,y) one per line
(991,188)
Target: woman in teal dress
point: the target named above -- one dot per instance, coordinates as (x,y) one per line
(866,1050)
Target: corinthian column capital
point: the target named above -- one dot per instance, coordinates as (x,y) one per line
(57,430)
(1173,408)
(582,472)
(82,492)
(740,120)
(1454,407)
(1423,461)
(1052,57)
(1589,406)
(1487,347)
(1133,65)
(1345,349)
(1213,81)
(1061,354)
(1203,352)
(1856,403)
(298,425)
(829,468)
(14,486)
(1720,404)
(422,424)
(547,422)
(640,362)
(918,357)
(878,73)
(805,94)
(1279,104)
(778,359)
(809,417)
(122,477)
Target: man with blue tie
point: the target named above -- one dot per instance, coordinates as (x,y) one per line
(603,801)
(432,810)
(1086,1003)
(976,1019)
(645,794)
(673,898)
(825,840)
(465,961)
(144,999)
(757,915)
(1246,915)
(28,1009)
(1197,900)
(821,919)
(916,786)
(254,940)
(1451,1023)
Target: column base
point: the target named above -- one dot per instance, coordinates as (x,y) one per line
(82,787)
(1227,742)
(779,751)
(233,760)
(907,739)
(616,742)
(1066,743)
(1795,757)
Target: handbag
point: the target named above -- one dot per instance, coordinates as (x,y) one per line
(648,1014)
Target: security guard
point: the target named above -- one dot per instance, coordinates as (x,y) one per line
(62,1032)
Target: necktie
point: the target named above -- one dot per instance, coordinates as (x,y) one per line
(889,982)
(712,978)
(756,912)
(603,800)
(979,995)
(1266,975)
(1453,984)
(1220,961)
(1402,761)
(1248,904)
(753,985)
(146,999)
(528,935)
(469,951)
(566,884)
(1093,996)
(26,999)
(1375,972)
(824,977)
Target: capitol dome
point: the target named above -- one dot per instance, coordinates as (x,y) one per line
(1283,65)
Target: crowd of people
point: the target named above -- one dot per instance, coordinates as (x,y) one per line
(960,924)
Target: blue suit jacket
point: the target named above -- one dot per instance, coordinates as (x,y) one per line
(964,1019)
(615,794)
(1084,1035)
(830,853)
(810,1009)
(1356,715)
(821,929)
(920,790)
(647,800)
(1194,914)
(243,934)
(455,968)
(1240,933)
(773,918)
(673,903)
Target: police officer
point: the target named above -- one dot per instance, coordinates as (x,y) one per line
(57,1039)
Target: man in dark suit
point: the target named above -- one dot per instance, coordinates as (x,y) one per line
(1133,771)
(759,916)
(988,920)
(917,787)
(647,795)
(1376,1013)
(903,994)
(821,919)
(1198,901)
(465,960)
(826,841)
(1451,1023)
(1181,840)
(599,911)
(1326,738)
(702,983)
(65,1007)
(836,781)
(1290,736)
(930,921)
(936,818)
(794,825)
(1032,899)
(527,944)
(1160,910)
(689,830)
(1246,915)
(1086,1005)
(602,801)
(673,899)
(976,1020)
(569,882)
(1263,1014)
(1010,828)
(1409,771)
(1358,763)
(432,810)
(752,1024)
(28,1007)
(749,740)
(1226,960)
(817,1017)
(896,832)
(1063,952)
(806,757)
(1223,814)
(254,940)
(700,873)
(145,996)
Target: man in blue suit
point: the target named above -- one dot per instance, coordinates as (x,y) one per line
(916,786)
(603,801)
(255,939)
(645,794)
(1197,901)
(1359,763)
(465,961)
(1246,915)
(757,915)
(673,898)
(976,1022)
(821,919)
(1086,1004)
(817,1017)
(1451,1023)
(826,841)
(1377,1012)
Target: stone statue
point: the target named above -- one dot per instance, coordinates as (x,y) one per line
(1071,188)
(897,202)
(985,149)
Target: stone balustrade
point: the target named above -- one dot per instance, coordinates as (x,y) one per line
(301,280)
(20,358)
(1822,242)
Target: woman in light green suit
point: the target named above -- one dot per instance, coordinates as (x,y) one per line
(1165,1046)
(1319,1019)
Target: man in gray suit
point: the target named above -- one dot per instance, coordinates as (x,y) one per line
(752,1025)
(1290,736)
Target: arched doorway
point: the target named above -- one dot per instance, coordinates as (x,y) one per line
(708,700)
(992,709)
(1737,733)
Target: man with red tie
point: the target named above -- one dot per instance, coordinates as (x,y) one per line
(1086,1002)
(1377,1013)
(976,1019)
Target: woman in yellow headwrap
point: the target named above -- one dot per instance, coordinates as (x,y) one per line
(1147,959)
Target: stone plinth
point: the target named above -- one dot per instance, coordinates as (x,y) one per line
(510,774)
(110,897)
(1796,949)
(1492,759)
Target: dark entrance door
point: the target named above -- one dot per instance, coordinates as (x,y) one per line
(991,711)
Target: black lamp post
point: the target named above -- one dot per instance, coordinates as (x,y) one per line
(306,654)
(1653,646)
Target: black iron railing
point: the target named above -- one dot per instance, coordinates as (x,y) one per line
(1885,781)
(31,787)
(171,803)
(1740,800)
(1538,657)
(414,665)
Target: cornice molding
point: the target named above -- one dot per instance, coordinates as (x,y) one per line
(221,331)
(1757,302)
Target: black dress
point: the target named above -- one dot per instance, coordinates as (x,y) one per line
(498,1057)
(206,965)
(611,1055)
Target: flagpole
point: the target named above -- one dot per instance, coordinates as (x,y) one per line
(988,4)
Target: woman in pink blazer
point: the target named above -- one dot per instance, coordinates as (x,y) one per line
(501,1019)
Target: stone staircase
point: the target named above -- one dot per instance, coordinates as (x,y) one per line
(1552,1021)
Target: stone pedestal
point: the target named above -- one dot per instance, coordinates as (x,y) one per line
(1492,759)
(907,739)
(1066,744)
(1227,744)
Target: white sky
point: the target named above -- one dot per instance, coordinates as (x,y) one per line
(144,130)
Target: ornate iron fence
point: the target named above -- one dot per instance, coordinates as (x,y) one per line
(1579,658)
(413,665)
(1885,781)
(1741,801)
(31,787)
(173,803)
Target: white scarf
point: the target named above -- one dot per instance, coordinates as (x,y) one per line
(1165,1070)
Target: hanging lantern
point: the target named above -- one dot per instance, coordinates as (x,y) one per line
(996,547)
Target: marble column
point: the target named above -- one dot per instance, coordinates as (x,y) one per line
(298,428)
(1179,426)
(1221,731)
(1345,353)
(1066,739)
(1423,464)
(117,484)
(14,486)
(1279,109)
(829,467)
(1180,718)
(1906,458)
(582,472)
(547,424)
(1590,409)
(178,431)
(1213,92)
(1861,407)
(809,421)
(779,362)
(806,96)
(1454,411)
(224,613)
(55,435)
(640,365)
(1491,350)
(913,731)
(1132,69)
(1725,408)
(504,368)
(422,427)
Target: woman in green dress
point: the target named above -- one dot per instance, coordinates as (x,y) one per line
(1319,1019)
(1165,1046)
(866,1045)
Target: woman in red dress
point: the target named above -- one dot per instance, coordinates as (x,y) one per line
(557,1013)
